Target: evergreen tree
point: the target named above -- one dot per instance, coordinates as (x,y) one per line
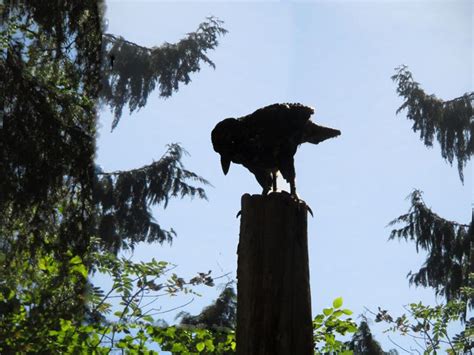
(49,65)
(49,68)
(448,243)
(133,71)
(222,313)
(451,121)
(123,199)
(54,203)
(130,73)
(363,342)
(446,268)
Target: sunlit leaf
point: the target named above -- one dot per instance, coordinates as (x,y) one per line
(337,302)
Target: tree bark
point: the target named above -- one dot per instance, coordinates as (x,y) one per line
(273,293)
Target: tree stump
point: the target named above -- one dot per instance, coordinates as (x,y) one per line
(273,292)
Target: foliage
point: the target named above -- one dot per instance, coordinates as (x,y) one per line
(428,326)
(363,342)
(132,71)
(448,243)
(330,323)
(222,313)
(137,287)
(192,341)
(452,121)
(53,200)
(49,71)
(33,301)
(38,292)
(446,268)
(123,199)
(135,290)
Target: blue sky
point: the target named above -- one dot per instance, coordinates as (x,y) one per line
(337,57)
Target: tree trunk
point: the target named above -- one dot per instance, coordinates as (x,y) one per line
(273,293)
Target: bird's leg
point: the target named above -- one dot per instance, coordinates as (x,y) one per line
(264,178)
(295,196)
(293,188)
(274,181)
(287,169)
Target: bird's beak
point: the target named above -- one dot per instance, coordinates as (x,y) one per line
(225,163)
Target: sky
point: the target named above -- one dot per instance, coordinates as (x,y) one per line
(338,57)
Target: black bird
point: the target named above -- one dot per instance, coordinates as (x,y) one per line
(266,141)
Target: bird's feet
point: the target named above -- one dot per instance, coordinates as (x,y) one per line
(294,197)
(308,208)
(302,203)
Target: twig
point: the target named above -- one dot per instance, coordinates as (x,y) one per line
(120,39)
(172,309)
(408,352)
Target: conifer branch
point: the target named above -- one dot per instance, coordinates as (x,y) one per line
(124,198)
(113,38)
(132,72)
(451,122)
(447,244)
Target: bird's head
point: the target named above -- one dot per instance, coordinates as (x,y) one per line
(225,137)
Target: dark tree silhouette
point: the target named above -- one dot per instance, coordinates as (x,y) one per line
(222,313)
(266,141)
(451,121)
(132,71)
(54,202)
(363,342)
(49,70)
(447,243)
(123,199)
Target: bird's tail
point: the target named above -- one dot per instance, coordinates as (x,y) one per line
(315,134)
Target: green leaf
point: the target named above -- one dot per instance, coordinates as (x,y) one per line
(170,332)
(78,266)
(200,346)
(327,311)
(352,328)
(75,260)
(209,345)
(42,264)
(178,347)
(80,269)
(347,311)
(337,302)
(148,318)
(319,318)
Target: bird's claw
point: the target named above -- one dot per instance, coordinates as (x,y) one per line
(297,199)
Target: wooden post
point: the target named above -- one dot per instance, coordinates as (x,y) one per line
(273,293)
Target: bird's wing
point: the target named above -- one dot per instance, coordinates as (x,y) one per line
(278,122)
(293,111)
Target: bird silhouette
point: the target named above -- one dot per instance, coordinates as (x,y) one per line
(266,141)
